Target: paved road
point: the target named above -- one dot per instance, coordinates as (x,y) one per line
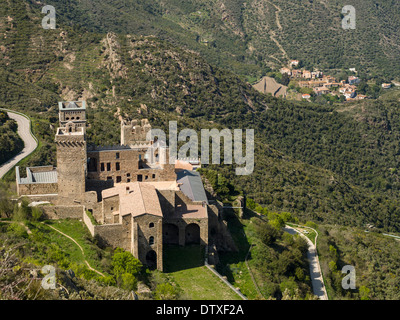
(24,132)
(315,269)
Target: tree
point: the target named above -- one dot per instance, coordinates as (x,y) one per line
(129,281)
(124,262)
(250,203)
(364,293)
(166,291)
(299,274)
(266,233)
(285,79)
(332,266)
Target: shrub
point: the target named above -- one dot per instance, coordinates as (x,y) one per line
(124,262)
(166,291)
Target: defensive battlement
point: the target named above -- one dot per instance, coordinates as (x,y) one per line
(78,131)
(71,135)
(134,131)
(137,145)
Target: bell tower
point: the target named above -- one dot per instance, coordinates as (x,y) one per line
(71,163)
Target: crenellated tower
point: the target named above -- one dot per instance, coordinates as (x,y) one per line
(71,161)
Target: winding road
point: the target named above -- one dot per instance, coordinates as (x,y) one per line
(30,142)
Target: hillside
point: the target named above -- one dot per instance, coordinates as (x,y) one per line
(248,36)
(10,143)
(324,165)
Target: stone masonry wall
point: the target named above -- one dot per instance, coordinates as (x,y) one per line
(37,188)
(62,212)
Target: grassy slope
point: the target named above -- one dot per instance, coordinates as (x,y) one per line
(186,268)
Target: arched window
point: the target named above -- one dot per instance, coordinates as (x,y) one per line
(151,240)
(151,225)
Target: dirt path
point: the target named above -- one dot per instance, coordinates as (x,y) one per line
(83,253)
(272,33)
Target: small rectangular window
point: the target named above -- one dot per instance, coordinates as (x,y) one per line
(117,166)
(102,167)
(139,177)
(117,155)
(118,179)
(108,166)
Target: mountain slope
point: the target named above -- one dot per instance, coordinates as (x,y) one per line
(245,36)
(307,156)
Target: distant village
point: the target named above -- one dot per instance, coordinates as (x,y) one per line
(324,84)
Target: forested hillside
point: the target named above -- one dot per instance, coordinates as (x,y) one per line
(248,36)
(320,162)
(10,143)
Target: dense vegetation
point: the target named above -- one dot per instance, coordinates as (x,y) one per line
(374,256)
(248,37)
(27,244)
(328,163)
(278,260)
(10,143)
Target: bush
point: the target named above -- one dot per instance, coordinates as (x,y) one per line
(18,230)
(124,262)
(166,291)
(129,282)
(266,233)
(36,213)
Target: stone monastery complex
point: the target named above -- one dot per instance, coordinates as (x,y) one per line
(125,199)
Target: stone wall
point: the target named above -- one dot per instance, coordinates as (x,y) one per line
(149,226)
(62,212)
(110,235)
(37,188)
(184,224)
(167,201)
(50,198)
(71,166)
(124,165)
(89,224)
(134,131)
(110,206)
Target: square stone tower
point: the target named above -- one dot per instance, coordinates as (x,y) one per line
(71,163)
(74,111)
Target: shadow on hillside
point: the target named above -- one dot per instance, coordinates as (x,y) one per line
(236,228)
(178,258)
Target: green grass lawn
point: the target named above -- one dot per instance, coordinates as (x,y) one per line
(185,266)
